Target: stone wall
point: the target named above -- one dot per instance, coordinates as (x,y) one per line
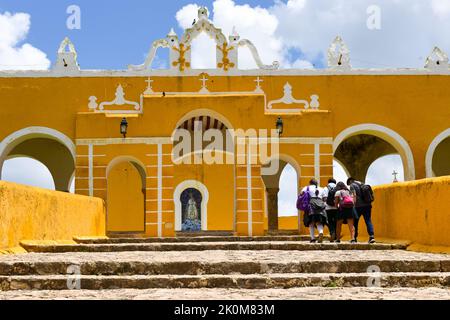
(28,213)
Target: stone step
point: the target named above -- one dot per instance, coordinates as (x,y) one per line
(204,246)
(186,234)
(223,262)
(305,293)
(258,281)
(84,240)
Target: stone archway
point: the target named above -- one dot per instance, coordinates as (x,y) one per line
(48,146)
(272,185)
(359,146)
(437,161)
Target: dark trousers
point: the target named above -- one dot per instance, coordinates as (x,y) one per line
(332,220)
(366,212)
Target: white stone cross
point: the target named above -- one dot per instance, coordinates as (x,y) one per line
(204,80)
(258,85)
(149,89)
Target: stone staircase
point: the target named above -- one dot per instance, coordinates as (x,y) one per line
(250,266)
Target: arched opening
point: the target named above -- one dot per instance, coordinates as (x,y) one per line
(281,191)
(203,138)
(203,49)
(437,160)
(356,148)
(47,146)
(191,206)
(441,159)
(340,173)
(126,194)
(382,170)
(27,171)
(287,195)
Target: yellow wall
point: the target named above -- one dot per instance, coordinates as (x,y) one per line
(288,223)
(219,179)
(28,213)
(416,211)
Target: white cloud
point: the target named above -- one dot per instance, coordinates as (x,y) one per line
(409,30)
(441,8)
(14,55)
(254,23)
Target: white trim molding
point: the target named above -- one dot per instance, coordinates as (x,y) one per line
(178,208)
(390,136)
(430,152)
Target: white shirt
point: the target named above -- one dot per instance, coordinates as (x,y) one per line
(312,190)
(324,194)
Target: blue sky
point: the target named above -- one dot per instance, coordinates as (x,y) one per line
(123,29)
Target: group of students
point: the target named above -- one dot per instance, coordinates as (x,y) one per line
(334,205)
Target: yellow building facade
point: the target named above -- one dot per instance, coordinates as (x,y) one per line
(201,149)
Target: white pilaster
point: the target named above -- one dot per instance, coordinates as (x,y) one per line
(91,169)
(249,191)
(160,162)
(317,162)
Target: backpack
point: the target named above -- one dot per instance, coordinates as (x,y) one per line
(346,200)
(303,201)
(317,206)
(331,196)
(364,192)
(367,193)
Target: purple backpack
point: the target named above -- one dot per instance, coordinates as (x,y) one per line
(303,201)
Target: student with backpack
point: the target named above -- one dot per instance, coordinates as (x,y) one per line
(314,209)
(328,195)
(363,206)
(345,202)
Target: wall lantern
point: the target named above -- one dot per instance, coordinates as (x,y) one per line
(124,127)
(279,126)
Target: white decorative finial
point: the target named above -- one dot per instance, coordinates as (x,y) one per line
(172,33)
(67,57)
(338,55)
(437,60)
(203,13)
(234,36)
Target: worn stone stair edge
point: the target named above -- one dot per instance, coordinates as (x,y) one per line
(225,267)
(103,240)
(203,246)
(265,281)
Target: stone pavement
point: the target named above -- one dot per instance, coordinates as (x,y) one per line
(312,293)
(213,268)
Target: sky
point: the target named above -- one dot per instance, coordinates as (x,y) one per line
(297,33)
